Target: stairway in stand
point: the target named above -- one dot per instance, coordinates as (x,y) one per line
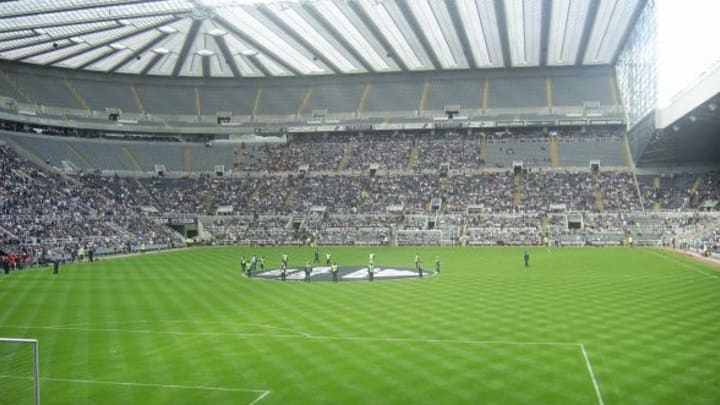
(517,189)
(346,156)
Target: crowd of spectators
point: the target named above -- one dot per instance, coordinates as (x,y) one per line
(708,189)
(387,151)
(492,192)
(671,191)
(580,191)
(42,207)
(458,151)
(499,229)
(321,153)
(679,191)
(48,211)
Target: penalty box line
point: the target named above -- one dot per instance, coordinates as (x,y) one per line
(261,393)
(589,366)
(297,335)
(580,346)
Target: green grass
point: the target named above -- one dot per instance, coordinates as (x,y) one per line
(186,328)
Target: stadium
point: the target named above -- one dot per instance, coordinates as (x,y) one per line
(359,202)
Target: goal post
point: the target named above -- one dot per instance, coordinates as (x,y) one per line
(17,356)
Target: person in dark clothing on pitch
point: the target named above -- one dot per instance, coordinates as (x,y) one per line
(526,256)
(56,266)
(308,271)
(316,252)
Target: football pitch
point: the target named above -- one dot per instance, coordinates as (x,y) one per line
(579,326)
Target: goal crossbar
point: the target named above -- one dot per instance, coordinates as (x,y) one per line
(36,361)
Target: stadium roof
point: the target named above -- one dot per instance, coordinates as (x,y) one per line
(253,38)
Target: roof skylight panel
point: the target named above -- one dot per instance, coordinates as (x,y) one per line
(40,6)
(22,42)
(524,31)
(20,53)
(85,57)
(237,47)
(567,22)
(165,66)
(250,26)
(429,24)
(75,29)
(302,28)
(473,24)
(274,68)
(380,16)
(348,30)
(110,61)
(56,54)
(611,23)
(136,65)
(16,34)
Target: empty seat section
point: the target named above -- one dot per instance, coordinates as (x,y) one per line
(175,99)
(238,100)
(149,154)
(205,158)
(105,155)
(6,91)
(50,149)
(335,98)
(533,153)
(517,92)
(572,91)
(50,91)
(281,100)
(101,95)
(580,152)
(394,96)
(465,92)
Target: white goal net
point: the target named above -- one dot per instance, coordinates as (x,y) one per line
(19,371)
(419,237)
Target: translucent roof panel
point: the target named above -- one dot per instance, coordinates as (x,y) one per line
(256,38)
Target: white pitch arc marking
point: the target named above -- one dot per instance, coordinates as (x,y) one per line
(592,375)
(262,393)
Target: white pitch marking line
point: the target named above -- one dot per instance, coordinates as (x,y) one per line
(79,325)
(260,398)
(592,374)
(304,336)
(263,393)
(261,325)
(685,265)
